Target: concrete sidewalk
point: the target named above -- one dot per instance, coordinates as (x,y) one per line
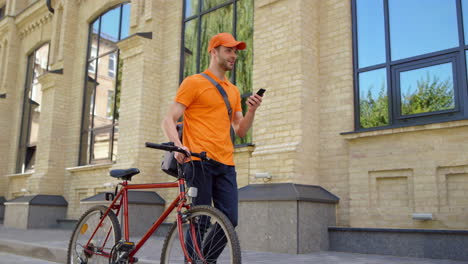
(51,245)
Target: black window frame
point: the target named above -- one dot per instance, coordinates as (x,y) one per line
(88,61)
(457,55)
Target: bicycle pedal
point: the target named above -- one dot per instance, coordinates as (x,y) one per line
(125,246)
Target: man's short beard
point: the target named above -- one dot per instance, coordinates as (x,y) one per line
(224,66)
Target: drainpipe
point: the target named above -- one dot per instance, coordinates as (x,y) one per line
(49,6)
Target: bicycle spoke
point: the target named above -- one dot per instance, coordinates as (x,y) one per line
(93,239)
(207,231)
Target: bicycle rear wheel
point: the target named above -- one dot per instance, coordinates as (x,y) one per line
(106,236)
(208,236)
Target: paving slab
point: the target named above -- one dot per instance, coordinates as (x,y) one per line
(50,245)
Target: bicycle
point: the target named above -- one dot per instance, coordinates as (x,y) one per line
(97,237)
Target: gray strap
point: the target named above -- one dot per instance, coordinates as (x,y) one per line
(221,91)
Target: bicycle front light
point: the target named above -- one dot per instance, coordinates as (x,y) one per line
(192,192)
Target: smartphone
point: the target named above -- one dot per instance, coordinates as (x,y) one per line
(261,91)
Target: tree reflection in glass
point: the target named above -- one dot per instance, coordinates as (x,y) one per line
(373,98)
(429,89)
(190,49)
(213,23)
(218,16)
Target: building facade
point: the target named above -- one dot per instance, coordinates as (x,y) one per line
(356,103)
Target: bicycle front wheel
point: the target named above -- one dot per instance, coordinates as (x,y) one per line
(105,237)
(209,237)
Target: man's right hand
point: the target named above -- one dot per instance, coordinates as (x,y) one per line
(181,157)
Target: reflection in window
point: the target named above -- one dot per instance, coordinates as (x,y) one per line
(102,90)
(112,64)
(110,104)
(92,64)
(464,4)
(37,65)
(413,30)
(191,47)
(2,11)
(427,89)
(373,98)
(411,69)
(213,23)
(217,16)
(370,32)
(209,4)
(191,7)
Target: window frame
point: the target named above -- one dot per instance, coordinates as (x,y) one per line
(91,131)
(393,93)
(448,58)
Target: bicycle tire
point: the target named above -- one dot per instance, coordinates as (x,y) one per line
(83,231)
(172,251)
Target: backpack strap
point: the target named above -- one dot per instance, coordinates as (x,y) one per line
(221,91)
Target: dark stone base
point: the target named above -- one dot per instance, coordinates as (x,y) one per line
(2,208)
(35,211)
(285,218)
(420,243)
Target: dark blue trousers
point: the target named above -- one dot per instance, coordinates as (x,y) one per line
(217,184)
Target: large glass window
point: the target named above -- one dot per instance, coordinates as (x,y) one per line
(409,67)
(101,103)
(204,19)
(36,66)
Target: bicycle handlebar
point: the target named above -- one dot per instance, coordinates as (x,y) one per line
(169,146)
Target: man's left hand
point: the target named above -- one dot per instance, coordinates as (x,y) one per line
(254,102)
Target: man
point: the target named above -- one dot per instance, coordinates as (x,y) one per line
(207,126)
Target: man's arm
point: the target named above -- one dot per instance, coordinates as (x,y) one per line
(169,127)
(242,124)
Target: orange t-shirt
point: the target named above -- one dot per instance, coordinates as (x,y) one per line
(206,121)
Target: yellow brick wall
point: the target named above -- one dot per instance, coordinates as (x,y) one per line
(336,100)
(395,173)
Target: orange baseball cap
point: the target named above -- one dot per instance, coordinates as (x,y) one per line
(226,40)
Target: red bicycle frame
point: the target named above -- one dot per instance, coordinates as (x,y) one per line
(122,199)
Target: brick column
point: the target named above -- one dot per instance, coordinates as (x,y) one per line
(48,173)
(10,105)
(138,103)
(285,130)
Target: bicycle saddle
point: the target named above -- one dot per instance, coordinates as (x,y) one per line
(125,175)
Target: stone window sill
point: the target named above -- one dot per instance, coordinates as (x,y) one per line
(20,175)
(90,167)
(391,131)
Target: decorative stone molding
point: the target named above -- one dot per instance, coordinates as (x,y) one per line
(134,44)
(31,27)
(50,79)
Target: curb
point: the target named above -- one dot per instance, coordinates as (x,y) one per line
(33,250)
